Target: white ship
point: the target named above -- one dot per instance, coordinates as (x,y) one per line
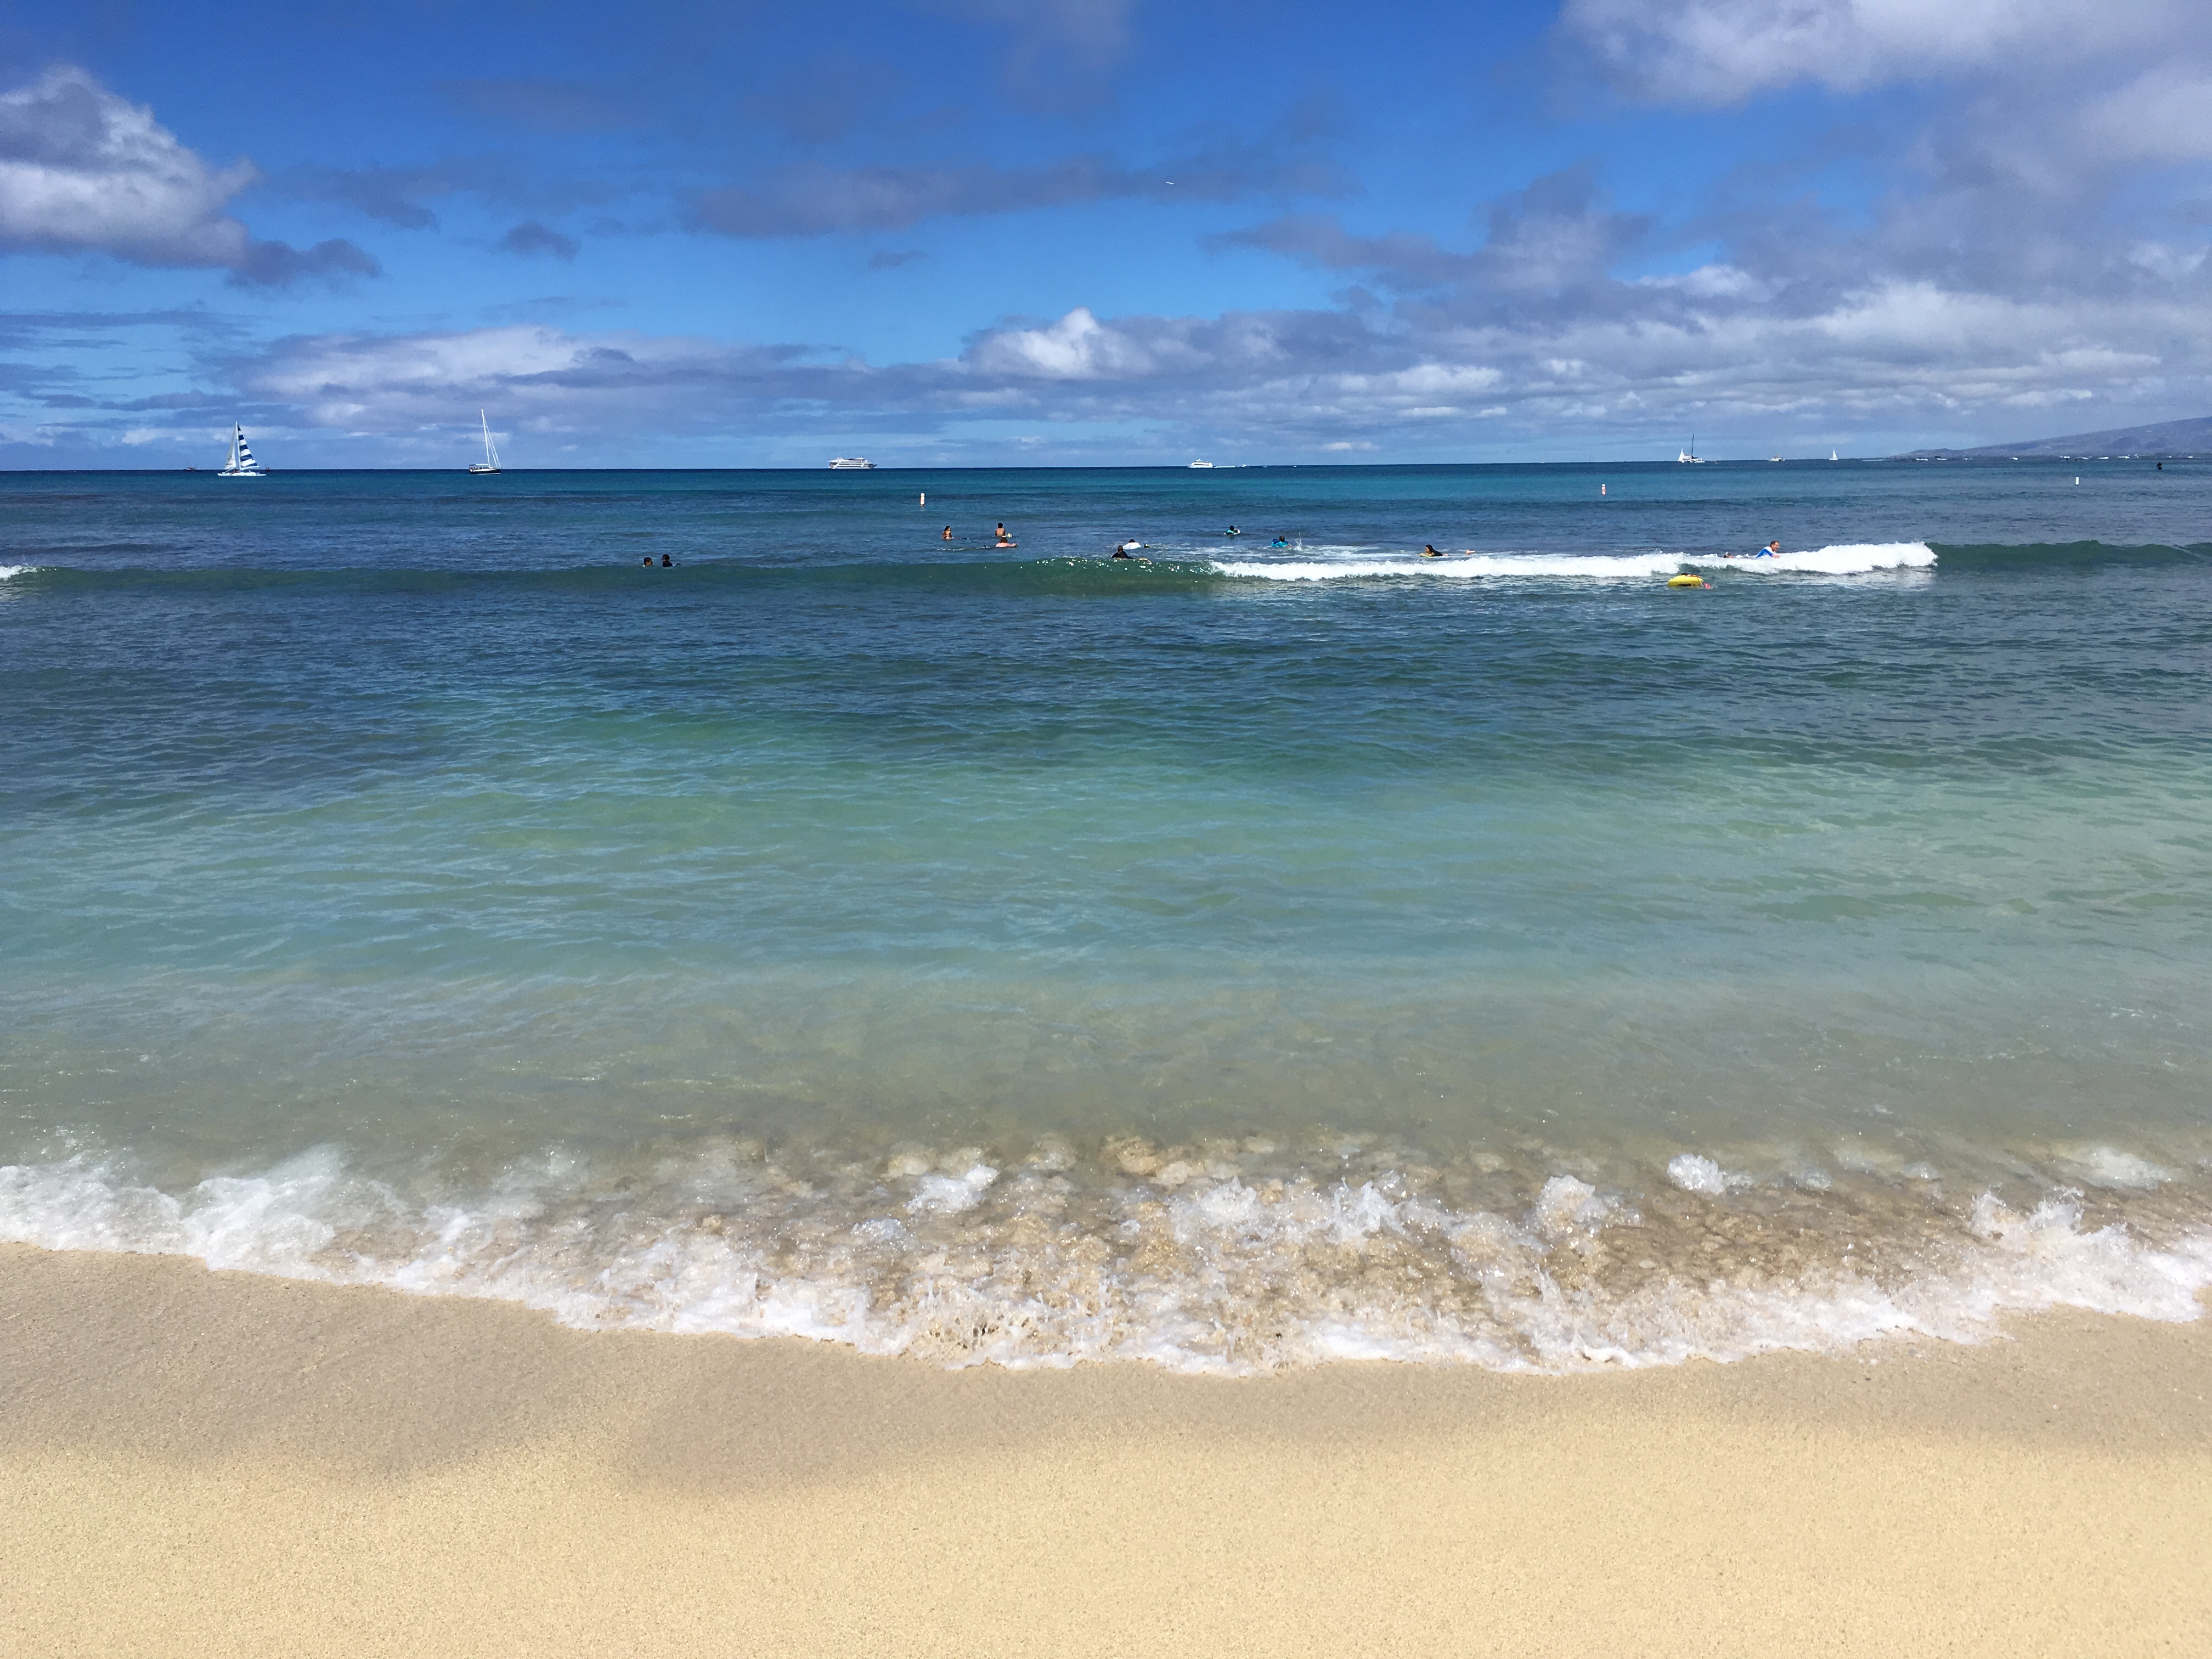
(1690,456)
(490,462)
(1207,464)
(852,464)
(241,464)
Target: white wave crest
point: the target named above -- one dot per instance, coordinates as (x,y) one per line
(1852,560)
(9,572)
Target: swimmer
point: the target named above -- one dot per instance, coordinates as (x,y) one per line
(948,533)
(648,561)
(1278,542)
(1234,530)
(667,563)
(1429,550)
(1771,550)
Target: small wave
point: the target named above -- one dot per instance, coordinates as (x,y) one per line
(1216,1258)
(9,572)
(2048,556)
(1844,560)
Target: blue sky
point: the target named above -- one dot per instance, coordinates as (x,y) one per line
(1097,231)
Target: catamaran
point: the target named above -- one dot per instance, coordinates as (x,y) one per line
(852,464)
(241,464)
(490,462)
(1690,456)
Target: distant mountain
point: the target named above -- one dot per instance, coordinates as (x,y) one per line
(2162,438)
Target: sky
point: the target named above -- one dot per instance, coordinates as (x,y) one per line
(1096,232)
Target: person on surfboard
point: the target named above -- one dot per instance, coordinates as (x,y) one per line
(1429,550)
(1005,540)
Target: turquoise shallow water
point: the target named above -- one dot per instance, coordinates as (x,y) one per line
(1237,958)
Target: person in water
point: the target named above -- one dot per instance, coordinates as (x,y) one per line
(1005,540)
(667,563)
(1429,550)
(948,533)
(648,561)
(1278,542)
(1129,550)
(1771,550)
(1234,530)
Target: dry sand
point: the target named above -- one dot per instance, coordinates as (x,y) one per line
(196,1464)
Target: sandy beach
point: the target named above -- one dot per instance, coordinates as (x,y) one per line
(205,1463)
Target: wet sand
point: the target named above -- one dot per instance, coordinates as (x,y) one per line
(199,1463)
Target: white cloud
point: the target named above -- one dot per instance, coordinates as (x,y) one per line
(84,171)
(1078,346)
(1720,52)
(2165,115)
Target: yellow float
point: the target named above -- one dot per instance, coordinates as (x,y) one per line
(1687,581)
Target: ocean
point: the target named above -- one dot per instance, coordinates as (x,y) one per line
(1240,958)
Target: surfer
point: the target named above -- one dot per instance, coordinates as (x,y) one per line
(1429,550)
(648,561)
(1279,541)
(1129,550)
(1771,550)
(1004,539)
(667,563)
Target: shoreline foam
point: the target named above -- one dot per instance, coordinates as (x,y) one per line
(1225,1258)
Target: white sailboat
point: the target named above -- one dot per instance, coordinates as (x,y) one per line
(490,462)
(1690,456)
(241,464)
(1831,454)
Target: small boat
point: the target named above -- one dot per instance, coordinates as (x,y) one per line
(490,462)
(1773,458)
(1690,456)
(852,464)
(1206,466)
(241,464)
(1831,455)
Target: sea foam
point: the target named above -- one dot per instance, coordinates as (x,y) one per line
(1241,1263)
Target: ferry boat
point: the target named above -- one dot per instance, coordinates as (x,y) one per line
(241,464)
(852,464)
(490,462)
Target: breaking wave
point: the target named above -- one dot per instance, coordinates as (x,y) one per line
(1851,560)
(1228,1258)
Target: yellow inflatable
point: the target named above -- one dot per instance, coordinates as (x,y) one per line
(1687,581)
